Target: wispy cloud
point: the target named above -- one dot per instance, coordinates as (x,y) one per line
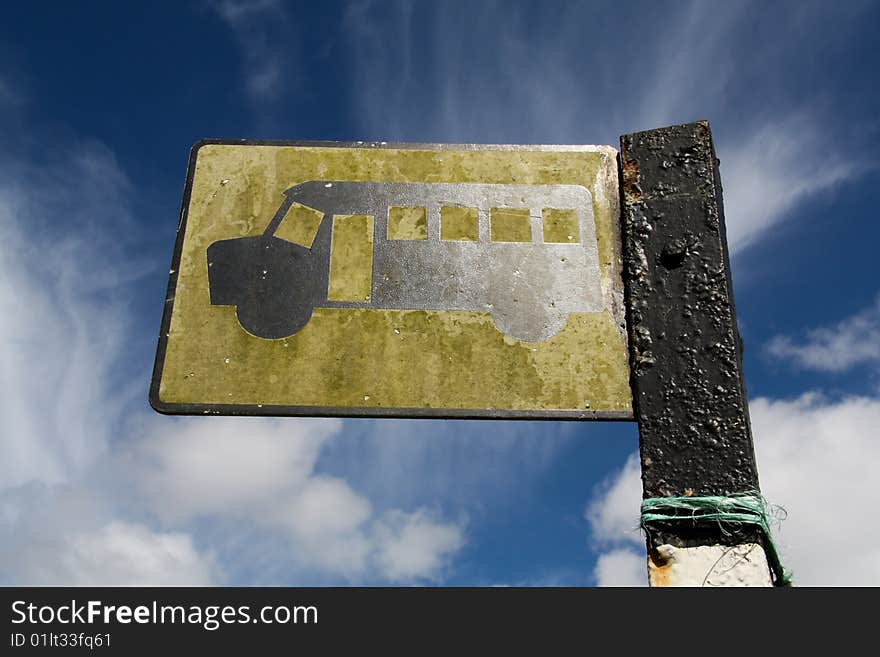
(426,463)
(7,95)
(779,166)
(67,272)
(65,228)
(92,491)
(94,488)
(836,348)
(498,72)
(259,27)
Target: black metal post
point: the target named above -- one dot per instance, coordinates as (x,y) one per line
(686,355)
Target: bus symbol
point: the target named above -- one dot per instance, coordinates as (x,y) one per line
(526,254)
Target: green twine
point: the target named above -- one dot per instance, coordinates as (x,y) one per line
(748,509)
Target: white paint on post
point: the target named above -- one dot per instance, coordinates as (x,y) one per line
(709,565)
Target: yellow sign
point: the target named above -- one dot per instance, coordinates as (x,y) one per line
(396,280)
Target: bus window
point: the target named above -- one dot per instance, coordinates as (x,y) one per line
(300,225)
(511,225)
(459,224)
(351,258)
(407,223)
(561,226)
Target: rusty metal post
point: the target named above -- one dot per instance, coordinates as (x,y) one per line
(686,355)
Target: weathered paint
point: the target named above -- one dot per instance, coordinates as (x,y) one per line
(511,225)
(709,565)
(364,361)
(300,225)
(561,226)
(459,224)
(407,223)
(351,258)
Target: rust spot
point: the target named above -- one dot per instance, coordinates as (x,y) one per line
(688,492)
(659,568)
(631,191)
(704,134)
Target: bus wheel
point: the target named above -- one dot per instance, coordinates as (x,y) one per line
(273,322)
(535,327)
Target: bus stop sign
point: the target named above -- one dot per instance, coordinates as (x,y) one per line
(396,280)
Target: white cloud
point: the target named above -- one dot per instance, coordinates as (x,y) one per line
(199,466)
(412,546)
(67,535)
(260,475)
(817,458)
(612,515)
(852,341)
(327,506)
(255,483)
(621,567)
(328,522)
(126,554)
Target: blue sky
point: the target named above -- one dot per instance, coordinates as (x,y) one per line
(99,104)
